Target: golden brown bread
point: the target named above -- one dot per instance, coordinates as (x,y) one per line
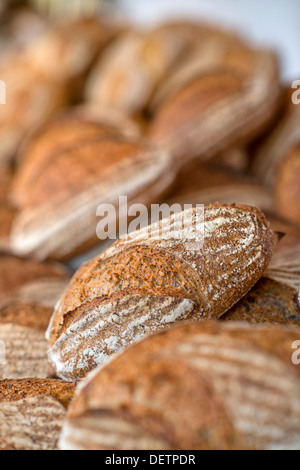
(33,97)
(131,68)
(285,264)
(22,331)
(218,109)
(32,413)
(155,277)
(28,294)
(287,186)
(268,302)
(68,129)
(58,218)
(208,183)
(67,50)
(200,386)
(277,146)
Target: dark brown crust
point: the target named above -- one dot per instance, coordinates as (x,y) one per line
(14,390)
(15,272)
(287,186)
(157,387)
(30,315)
(268,302)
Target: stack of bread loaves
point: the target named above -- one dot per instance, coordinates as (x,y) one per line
(183,334)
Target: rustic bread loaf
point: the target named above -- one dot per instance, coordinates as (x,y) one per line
(66,130)
(155,277)
(218,109)
(277,146)
(285,264)
(7,217)
(33,97)
(67,50)
(59,217)
(131,67)
(32,413)
(268,302)
(287,186)
(28,294)
(200,386)
(207,183)
(22,331)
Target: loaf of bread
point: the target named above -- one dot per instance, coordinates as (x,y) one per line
(68,129)
(218,109)
(131,68)
(22,332)
(200,386)
(287,186)
(66,51)
(277,146)
(207,183)
(28,294)
(59,213)
(268,302)
(285,264)
(153,278)
(32,413)
(33,97)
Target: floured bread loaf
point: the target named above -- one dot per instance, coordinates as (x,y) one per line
(155,277)
(32,413)
(28,294)
(219,108)
(22,332)
(59,213)
(68,129)
(268,302)
(200,386)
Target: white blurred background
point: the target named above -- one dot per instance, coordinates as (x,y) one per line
(274,23)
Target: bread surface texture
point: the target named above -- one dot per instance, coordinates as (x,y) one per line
(32,413)
(205,386)
(178,269)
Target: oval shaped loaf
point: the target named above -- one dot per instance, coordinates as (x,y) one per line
(32,413)
(68,129)
(203,386)
(154,277)
(59,217)
(217,109)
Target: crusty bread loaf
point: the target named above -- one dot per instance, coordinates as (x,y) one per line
(155,277)
(66,51)
(268,302)
(32,413)
(287,186)
(67,130)
(218,109)
(33,97)
(28,294)
(131,68)
(22,331)
(207,183)
(277,146)
(59,217)
(285,264)
(200,386)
